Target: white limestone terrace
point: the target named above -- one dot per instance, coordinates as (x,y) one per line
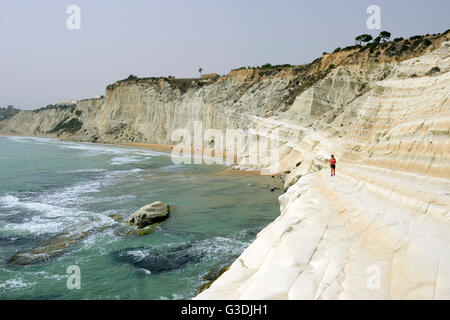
(379,229)
(335,234)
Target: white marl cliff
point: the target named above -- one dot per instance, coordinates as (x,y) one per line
(379,229)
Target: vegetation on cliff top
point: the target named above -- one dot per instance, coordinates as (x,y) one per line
(397,47)
(182,84)
(58,107)
(9,112)
(267,66)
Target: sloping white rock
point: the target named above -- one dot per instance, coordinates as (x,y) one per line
(379,229)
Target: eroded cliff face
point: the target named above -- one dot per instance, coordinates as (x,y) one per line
(380,228)
(385,116)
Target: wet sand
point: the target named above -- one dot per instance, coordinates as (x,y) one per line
(192,150)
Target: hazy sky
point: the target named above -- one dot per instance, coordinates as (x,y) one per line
(43,62)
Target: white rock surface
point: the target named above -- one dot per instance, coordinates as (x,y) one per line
(348,237)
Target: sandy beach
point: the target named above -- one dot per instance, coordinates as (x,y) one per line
(197,151)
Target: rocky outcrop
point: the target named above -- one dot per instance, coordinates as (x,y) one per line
(379,229)
(54,247)
(149,214)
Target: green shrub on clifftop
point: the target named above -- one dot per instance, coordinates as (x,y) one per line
(9,112)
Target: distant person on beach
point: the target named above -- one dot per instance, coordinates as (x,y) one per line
(333,165)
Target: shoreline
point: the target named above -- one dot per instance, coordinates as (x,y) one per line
(166,148)
(193,151)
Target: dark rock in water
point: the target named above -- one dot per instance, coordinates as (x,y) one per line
(131,231)
(15,240)
(158,262)
(48,297)
(116,217)
(16,218)
(213,275)
(219,269)
(52,248)
(145,231)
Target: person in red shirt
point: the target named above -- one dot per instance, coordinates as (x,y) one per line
(333,165)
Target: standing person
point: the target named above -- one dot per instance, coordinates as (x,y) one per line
(333,165)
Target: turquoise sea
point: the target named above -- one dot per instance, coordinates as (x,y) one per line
(50,188)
